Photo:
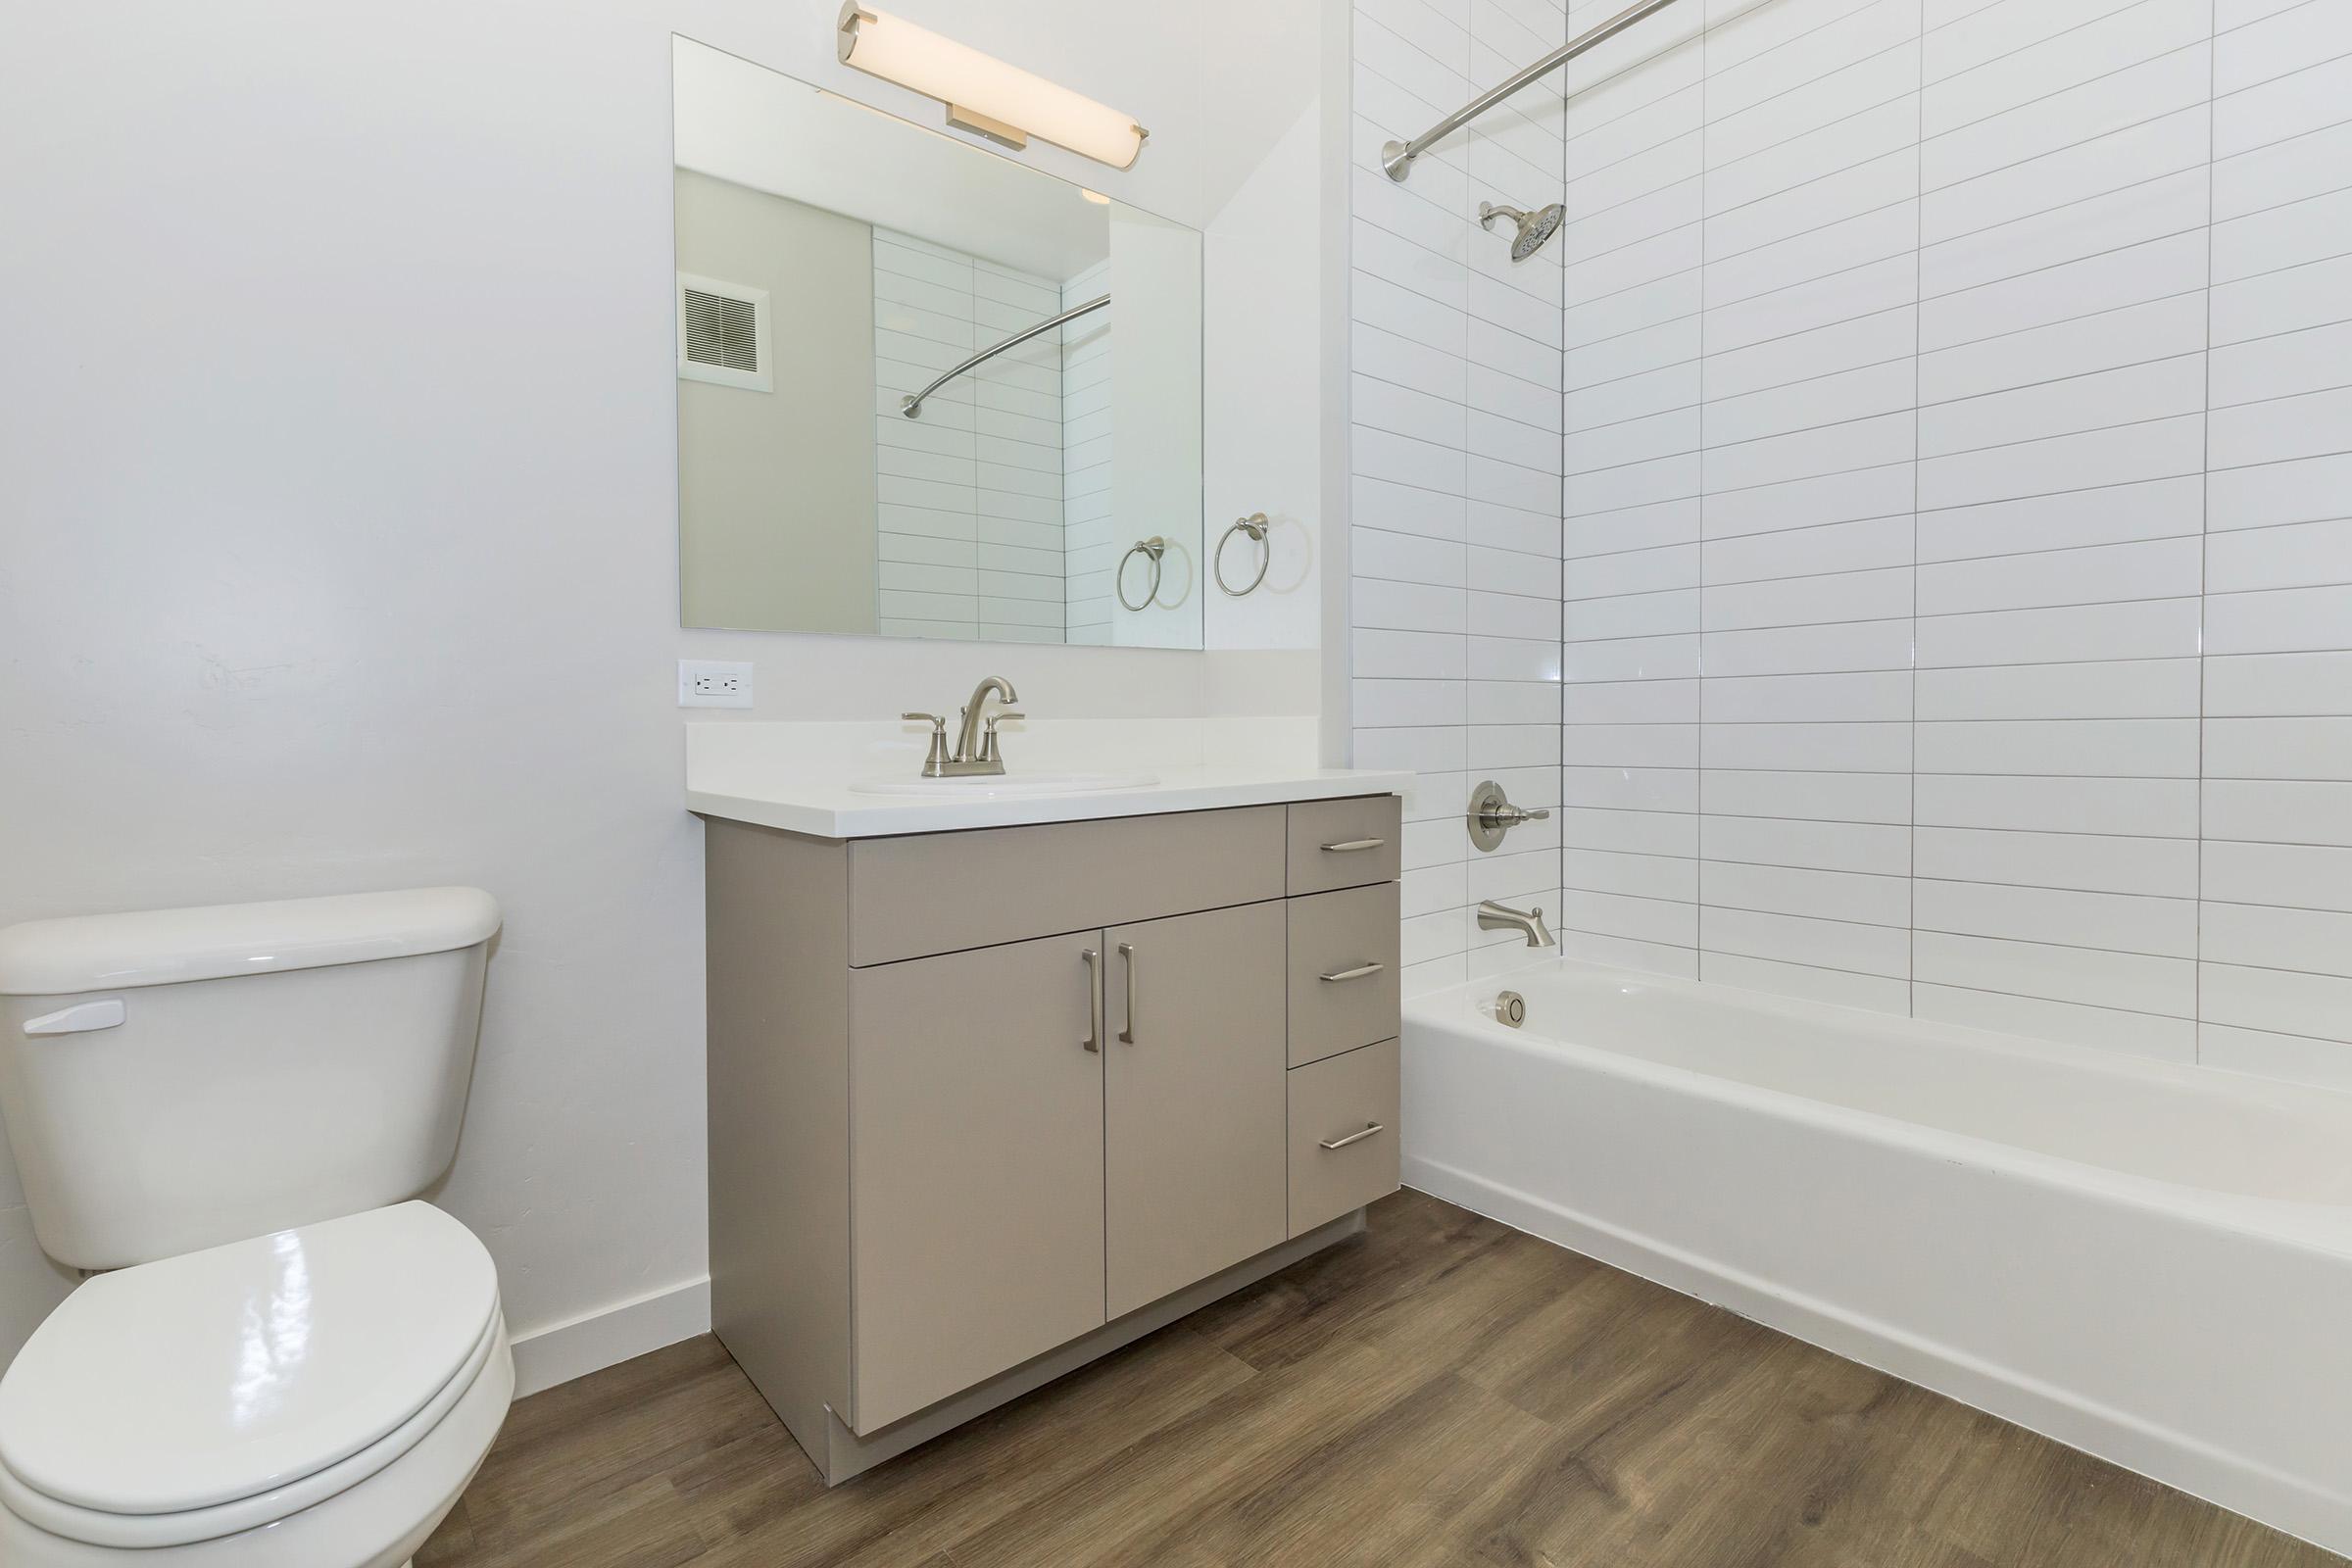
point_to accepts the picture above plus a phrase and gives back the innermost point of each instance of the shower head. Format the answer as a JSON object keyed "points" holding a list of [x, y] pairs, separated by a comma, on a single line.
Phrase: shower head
{"points": [[1533, 227]]}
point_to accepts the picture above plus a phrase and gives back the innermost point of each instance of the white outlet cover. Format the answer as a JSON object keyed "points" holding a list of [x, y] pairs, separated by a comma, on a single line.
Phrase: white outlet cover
{"points": [[713, 683]]}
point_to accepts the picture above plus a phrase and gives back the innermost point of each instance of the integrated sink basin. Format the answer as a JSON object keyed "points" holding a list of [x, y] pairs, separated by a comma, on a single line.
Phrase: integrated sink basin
{"points": [[980, 786]]}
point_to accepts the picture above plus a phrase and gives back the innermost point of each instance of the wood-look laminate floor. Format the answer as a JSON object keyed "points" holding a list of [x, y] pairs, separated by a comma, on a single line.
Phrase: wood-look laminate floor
{"points": [[1440, 1391]]}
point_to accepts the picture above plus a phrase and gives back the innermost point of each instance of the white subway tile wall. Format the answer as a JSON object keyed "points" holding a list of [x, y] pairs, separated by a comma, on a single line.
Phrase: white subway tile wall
{"points": [[971, 493], [1955, 431], [1456, 490], [2274, 949]]}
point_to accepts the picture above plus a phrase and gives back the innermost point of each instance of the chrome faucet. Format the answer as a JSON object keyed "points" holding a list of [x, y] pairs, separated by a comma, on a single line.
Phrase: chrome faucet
{"points": [[1493, 916], [975, 753]]}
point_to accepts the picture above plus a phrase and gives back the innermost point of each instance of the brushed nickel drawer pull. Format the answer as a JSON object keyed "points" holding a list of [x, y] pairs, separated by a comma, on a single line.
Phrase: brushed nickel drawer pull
{"points": [[1370, 1128], [1127, 1034], [1349, 846], [1094, 1000], [1357, 973]]}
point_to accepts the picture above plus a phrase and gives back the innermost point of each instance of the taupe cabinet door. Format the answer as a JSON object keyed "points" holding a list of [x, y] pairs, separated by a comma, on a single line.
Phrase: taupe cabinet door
{"points": [[1193, 1099], [976, 1161]]}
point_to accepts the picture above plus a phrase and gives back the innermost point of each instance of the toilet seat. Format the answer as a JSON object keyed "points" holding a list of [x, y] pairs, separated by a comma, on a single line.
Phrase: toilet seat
{"points": [[382, 1522], [195, 1398]]}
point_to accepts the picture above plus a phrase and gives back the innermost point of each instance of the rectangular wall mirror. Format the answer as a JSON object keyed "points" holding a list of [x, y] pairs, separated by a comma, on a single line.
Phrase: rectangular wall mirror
{"points": [[923, 390]]}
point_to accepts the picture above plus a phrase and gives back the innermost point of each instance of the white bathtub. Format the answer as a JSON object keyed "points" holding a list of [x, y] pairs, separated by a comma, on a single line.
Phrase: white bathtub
{"points": [[2150, 1262]]}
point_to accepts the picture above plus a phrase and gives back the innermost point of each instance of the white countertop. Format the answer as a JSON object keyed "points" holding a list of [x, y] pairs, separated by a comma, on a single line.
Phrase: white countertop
{"points": [[799, 776]]}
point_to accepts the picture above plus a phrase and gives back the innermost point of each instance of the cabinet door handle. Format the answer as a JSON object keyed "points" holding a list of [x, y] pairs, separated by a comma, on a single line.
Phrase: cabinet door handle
{"points": [[1351, 846], [1357, 973], [1370, 1128], [1093, 999], [1127, 1034]]}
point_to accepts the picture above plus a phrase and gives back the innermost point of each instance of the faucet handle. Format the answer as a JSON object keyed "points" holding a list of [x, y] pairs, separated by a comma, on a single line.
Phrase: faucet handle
{"points": [[988, 739], [936, 762]]}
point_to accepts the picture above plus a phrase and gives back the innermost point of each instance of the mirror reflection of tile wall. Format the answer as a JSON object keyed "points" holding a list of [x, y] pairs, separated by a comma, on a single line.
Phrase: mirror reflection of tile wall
{"points": [[972, 496], [817, 295]]}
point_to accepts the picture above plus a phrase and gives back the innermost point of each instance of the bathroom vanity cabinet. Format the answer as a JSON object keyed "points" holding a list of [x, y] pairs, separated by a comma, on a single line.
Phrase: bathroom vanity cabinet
{"points": [[985, 1105]]}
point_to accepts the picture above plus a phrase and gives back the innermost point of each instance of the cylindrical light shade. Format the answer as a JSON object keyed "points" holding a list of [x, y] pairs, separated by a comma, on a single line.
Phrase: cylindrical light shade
{"points": [[941, 68]]}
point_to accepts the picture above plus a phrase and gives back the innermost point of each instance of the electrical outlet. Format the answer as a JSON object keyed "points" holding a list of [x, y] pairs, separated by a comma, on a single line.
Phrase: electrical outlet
{"points": [[713, 683]]}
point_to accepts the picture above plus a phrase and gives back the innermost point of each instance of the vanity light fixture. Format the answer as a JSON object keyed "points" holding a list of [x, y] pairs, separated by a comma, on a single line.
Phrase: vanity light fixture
{"points": [[983, 94]]}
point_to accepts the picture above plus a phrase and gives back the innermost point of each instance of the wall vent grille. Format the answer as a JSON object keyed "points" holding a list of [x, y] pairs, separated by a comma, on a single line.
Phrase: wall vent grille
{"points": [[722, 333]]}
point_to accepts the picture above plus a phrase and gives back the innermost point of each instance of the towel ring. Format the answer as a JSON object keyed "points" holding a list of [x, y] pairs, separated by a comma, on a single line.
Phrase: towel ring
{"points": [[1150, 549], [1255, 525]]}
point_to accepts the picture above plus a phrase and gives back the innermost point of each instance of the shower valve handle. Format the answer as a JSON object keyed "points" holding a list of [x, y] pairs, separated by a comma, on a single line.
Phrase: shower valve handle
{"points": [[1492, 815]]}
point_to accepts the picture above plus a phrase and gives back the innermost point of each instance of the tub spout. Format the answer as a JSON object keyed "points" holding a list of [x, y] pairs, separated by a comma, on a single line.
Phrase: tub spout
{"points": [[1493, 916]]}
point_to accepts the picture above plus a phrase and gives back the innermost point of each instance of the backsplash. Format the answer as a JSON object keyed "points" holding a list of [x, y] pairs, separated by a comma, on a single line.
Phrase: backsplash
{"points": [[1957, 600]]}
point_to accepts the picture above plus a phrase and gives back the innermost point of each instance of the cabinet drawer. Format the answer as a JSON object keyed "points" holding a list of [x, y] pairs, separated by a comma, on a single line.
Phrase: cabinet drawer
{"points": [[1341, 1100], [1342, 963], [1343, 843], [943, 892]]}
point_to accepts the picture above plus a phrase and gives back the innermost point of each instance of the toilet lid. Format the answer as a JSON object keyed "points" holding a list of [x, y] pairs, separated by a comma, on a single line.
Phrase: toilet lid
{"points": [[224, 1374]]}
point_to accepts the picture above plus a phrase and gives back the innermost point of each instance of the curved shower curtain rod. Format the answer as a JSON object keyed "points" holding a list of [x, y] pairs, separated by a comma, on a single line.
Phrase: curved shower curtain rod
{"points": [[1397, 156], [912, 406]]}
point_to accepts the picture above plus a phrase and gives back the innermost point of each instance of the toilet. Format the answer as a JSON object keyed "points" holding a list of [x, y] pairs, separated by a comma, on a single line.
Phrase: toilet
{"points": [[280, 1358]]}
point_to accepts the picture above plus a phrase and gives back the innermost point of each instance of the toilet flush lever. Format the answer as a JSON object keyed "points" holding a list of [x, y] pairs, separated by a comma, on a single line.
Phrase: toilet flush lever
{"points": [[79, 1020]]}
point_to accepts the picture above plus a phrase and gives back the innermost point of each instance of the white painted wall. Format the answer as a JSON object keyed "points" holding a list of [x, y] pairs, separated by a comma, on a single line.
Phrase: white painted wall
{"points": [[1265, 290], [337, 544], [1156, 402], [1271, 272]]}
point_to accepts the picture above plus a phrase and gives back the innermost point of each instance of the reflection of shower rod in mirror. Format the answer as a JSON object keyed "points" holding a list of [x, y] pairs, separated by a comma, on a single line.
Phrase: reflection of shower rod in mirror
{"points": [[912, 406], [1255, 526], [1151, 550]]}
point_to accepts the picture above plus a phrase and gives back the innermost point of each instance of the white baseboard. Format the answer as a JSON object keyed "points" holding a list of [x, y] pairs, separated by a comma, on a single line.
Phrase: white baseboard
{"points": [[610, 1335]]}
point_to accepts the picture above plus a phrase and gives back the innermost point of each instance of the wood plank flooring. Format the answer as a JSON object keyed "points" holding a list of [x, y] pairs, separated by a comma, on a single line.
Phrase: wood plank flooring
{"points": [[1440, 1390]]}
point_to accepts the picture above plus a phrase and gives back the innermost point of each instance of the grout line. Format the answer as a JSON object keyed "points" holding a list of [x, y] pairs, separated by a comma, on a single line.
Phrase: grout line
{"points": [[1467, 313], [2107, 133], [2205, 519], [2257, 86], [1791, 140], [1699, 803], [2064, 206], [2330, 194], [2038, 43], [2063, 1001], [1918, 289], [2040, 98], [1559, 852]]}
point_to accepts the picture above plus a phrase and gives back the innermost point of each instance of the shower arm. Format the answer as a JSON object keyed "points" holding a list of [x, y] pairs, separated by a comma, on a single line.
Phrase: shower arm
{"points": [[1397, 156], [912, 406]]}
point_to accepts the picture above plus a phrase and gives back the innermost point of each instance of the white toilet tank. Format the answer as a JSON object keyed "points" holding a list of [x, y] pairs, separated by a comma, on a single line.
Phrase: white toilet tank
{"points": [[178, 1078]]}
